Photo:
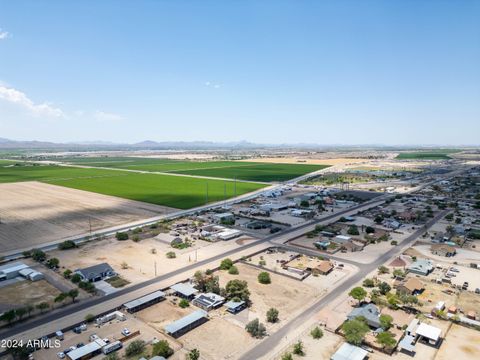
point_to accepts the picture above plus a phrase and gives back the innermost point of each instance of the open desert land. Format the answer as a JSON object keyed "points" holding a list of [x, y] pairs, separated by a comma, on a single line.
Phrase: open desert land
{"points": [[26, 292], [136, 261], [461, 343], [34, 213]]}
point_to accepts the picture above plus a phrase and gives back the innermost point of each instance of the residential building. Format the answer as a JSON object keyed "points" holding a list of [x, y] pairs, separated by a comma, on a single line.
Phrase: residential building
{"points": [[324, 268], [349, 352], [208, 301], [184, 290], [412, 286], [370, 312], [421, 267], [225, 217], [96, 272]]}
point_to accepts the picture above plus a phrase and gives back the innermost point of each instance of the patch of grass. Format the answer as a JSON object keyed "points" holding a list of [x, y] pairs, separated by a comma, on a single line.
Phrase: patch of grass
{"points": [[117, 281], [435, 154]]}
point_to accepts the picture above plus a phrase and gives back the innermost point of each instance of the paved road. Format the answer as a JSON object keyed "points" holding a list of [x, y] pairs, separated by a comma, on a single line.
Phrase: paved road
{"points": [[285, 236], [270, 342]]}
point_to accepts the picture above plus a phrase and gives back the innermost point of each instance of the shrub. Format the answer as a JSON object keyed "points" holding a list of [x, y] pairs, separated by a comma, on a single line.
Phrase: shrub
{"points": [[76, 278], [162, 348], [383, 270], [298, 349], [89, 318], [394, 242], [256, 329], [368, 283], [121, 236], [38, 255], [68, 244], [287, 356], [316, 333], [184, 303], [233, 270], [67, 274], [170, 255], [272, 315], [264, 278], [226, 264]]}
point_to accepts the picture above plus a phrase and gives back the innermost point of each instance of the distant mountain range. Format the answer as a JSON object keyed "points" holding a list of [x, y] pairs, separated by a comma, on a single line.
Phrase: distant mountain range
{"points": [[189, 145]]}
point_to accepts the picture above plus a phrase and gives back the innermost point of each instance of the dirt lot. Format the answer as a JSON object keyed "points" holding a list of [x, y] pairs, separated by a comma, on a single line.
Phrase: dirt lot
{"points": [[230, 342], [163, 313], [461, 344], [35, 213], [288, 296], [27, 292]]}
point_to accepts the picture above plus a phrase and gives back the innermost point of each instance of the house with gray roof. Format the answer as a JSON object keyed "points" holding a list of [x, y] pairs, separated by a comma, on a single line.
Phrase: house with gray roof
{"points": [[421, 267], [96, 272], [370, 312]]}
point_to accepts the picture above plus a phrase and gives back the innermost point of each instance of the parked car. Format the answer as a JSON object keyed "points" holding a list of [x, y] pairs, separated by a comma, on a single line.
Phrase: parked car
{"points": [[125, 332], [61, 355]]}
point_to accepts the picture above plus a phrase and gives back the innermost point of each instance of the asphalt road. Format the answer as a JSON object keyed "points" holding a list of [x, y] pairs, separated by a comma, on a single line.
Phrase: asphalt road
{"points": [[271, 341], [83, 305]]}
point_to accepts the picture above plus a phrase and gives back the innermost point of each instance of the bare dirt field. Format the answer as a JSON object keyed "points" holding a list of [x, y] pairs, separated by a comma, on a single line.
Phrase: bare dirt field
{"points": [[27, 292], [164, 313], [229, 343], [286, 295], [34, 213], [461, 343]]}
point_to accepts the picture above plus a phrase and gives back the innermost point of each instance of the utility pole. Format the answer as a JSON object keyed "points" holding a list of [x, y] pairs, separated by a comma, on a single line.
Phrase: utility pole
{"points": [[155, 268]]}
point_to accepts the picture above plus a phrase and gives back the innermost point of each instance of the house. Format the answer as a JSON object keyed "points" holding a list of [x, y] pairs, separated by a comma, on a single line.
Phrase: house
{"points": [[407, 345], [342, 239], [324, 268], [443, 250], [208, 301], [96, 272], [144, 301], [225, 217], [234, 307], [391, 224], [412, 286], [349, 352], [422, 331], [370, 312], [184, 290], [187, 323], [421, 267]]}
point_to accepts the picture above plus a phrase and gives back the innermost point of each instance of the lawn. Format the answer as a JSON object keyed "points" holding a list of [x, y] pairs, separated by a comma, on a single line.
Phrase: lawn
{"points": [[251, 171], [168, 190], [440, 154]]}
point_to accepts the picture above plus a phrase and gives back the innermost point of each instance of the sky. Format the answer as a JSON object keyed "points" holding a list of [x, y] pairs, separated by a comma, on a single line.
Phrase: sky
{"points": [[393, 72]]}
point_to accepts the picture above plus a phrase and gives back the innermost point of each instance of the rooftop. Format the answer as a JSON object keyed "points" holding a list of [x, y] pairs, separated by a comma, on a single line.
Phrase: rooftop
{"points": [[185, 321], [185, 289], [349, 352], [144, 299]]}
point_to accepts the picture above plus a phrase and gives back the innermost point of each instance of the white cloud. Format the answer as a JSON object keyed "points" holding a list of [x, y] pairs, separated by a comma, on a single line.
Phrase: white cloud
{"points": [[107, 117], [21, 99], [4, 34], [215, 86]]}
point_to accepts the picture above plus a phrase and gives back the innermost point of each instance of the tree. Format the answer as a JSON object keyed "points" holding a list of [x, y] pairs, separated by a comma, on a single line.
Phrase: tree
{"points": [[193, 355], [368, 283], [206, 282], [369, 230], [73, 294], [20, 313], [53, 263], [136, 347], [355, 331], [68, 244], [43, 306], [89, 318], [67, 274], [358, 293], [8, 316], [233, 270], [272, 315], [383, 270], [264, 278], [398, 273], [256, 329], [162, 348], [378, 219], [386, 321], [298, 349], [170, 255], [384, 288], [386, 339], [226, 264], [304, 204], [29, 309], [60, 297], [76, 278], [184, 303], [38, 255], [237, 290], [316, 333], [353, 230], [393, 301]]}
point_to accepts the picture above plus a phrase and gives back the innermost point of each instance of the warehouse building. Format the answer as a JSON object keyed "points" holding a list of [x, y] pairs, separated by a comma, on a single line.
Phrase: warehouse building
{"points": [[144, 301], [187, 323], [184, 290]]}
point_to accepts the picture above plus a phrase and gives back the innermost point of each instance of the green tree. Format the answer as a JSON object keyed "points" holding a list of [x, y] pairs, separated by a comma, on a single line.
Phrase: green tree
{"points": [[121, 236], [29, 309], [358, 293], [42, 307], [386, 321], [272, 315], [193, 355], [237, 290], [73, 294], [184, 303], [304, 204], [355, 331], [369, 230], [60, 297], [316, 333], [233, 270], [67, 274], [136, 347], [20, 313], [256, 329], [76, 278], [162, 348], [89, 318], [383, 270], [264, 278], [226, 264], [398, 273], [298, 349], [53, 263], [38, 255], [368, 283], [384, 288], [386, 339], [353, 230], [8, 316]]}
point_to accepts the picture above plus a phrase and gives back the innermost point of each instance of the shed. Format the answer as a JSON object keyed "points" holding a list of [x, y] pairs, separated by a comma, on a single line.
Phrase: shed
{"points": [[349, 352], [235, 307], [187, 323], [184, 290], [144, 301], [429, 332]]}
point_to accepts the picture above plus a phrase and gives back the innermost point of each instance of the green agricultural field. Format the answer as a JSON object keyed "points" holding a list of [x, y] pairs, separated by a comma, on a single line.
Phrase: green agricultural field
{"points": [[427, 155], [250, 171], [168, 190]]}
